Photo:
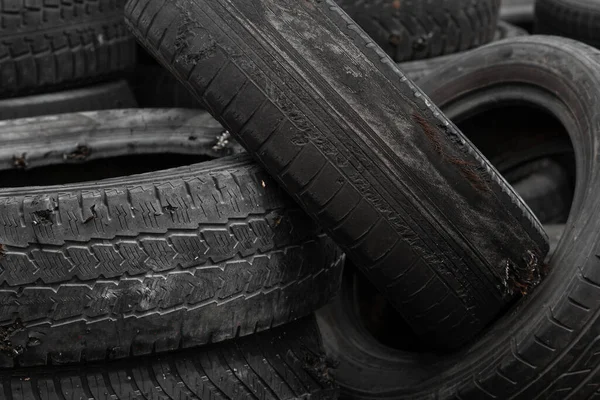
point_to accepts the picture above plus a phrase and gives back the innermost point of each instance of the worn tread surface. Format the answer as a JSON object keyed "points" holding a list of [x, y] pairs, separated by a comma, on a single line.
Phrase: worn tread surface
{"points": [[51, 44], [547, 346], [85, 136], [394, 186], [103, 96], [418, 69], [419, 29], [575, 19], [150, 262], [284, 363]]}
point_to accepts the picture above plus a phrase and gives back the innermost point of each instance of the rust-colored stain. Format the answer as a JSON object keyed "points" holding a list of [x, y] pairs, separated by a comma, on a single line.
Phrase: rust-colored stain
{"points": [[396, 4], [522, 279], [466, 168], [20, 161], [2, 251]]}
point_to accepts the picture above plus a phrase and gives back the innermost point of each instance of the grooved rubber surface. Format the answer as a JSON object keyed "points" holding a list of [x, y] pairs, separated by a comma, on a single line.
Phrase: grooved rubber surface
{"points": [[575, 19], [418, 69], [283, 363], [548, 345], [419, 29], [103, 96], [152, 262], [360, 147], [49, 44]]}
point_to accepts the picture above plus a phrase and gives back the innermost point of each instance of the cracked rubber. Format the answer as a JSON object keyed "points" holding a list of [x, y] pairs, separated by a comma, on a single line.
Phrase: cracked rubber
{"points": [[360, 147], [546, 346], [52, 44], [419, 29], [283, 363], [418, 69], [575, 19], [153, 262], [102, 96]]}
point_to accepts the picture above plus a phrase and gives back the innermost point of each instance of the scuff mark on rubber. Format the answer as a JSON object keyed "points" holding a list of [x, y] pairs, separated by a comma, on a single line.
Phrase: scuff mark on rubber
{"points": [[80, 153], [187, 31], [523, 279], [467, 169]]}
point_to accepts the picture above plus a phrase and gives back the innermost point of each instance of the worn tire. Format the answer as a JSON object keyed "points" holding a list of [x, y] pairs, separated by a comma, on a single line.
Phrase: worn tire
{"points": [[576, 19], [313, 118], [102, 96], [545, 346], [418, 69], [283, 363], [418, 29], [50, 45], [153, 262]]}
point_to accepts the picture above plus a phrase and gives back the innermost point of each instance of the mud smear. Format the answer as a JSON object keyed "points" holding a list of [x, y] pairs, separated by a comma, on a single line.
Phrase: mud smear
{"points": [[43, 217], [320, 367]]}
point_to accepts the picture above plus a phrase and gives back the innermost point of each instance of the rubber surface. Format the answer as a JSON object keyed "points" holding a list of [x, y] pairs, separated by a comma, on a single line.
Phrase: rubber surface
{"points": [[418, 69], [52, 44], [283, 363], [517, 11], [419, 29], [102, 96], [154, 262], [300, 86], [543, 348], [576, 19]]}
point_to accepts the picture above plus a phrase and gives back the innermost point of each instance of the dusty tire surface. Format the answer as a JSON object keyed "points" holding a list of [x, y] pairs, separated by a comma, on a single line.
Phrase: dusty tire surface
{"points": [[283, 363], [575, 19], [50, 45], [314, 125], [152, 262], [103, 96], [419, 69], [544, 346], [418, 29]]}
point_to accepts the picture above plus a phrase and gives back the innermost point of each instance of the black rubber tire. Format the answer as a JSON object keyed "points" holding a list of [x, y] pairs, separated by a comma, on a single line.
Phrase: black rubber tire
{"points": [[52, 44], [153, 262], [418, 29], [546, 188], [517, 11], [154, 86], [313, 118], [418, 69], [103, 96], [85, 136], [576, 19], [282, 363], [544, 347]]}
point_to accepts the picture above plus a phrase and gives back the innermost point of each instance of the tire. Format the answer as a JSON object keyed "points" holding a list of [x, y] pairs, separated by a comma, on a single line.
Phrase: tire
{"points": [[576, 19], [154, 86], [47, 46], [97, 97], [414, 29], [546, 188], [326, 147], [517, 11], [74, 138], [543, 347], [416, 70], [282, 363], [154, 262]]}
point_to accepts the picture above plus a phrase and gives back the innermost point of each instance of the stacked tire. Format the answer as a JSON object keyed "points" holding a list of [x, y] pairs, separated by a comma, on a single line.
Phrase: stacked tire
{"points": [[177, 253]]}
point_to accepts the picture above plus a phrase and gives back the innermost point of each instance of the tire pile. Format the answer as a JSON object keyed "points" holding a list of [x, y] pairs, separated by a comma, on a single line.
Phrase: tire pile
{"points": [[283, 199]]}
